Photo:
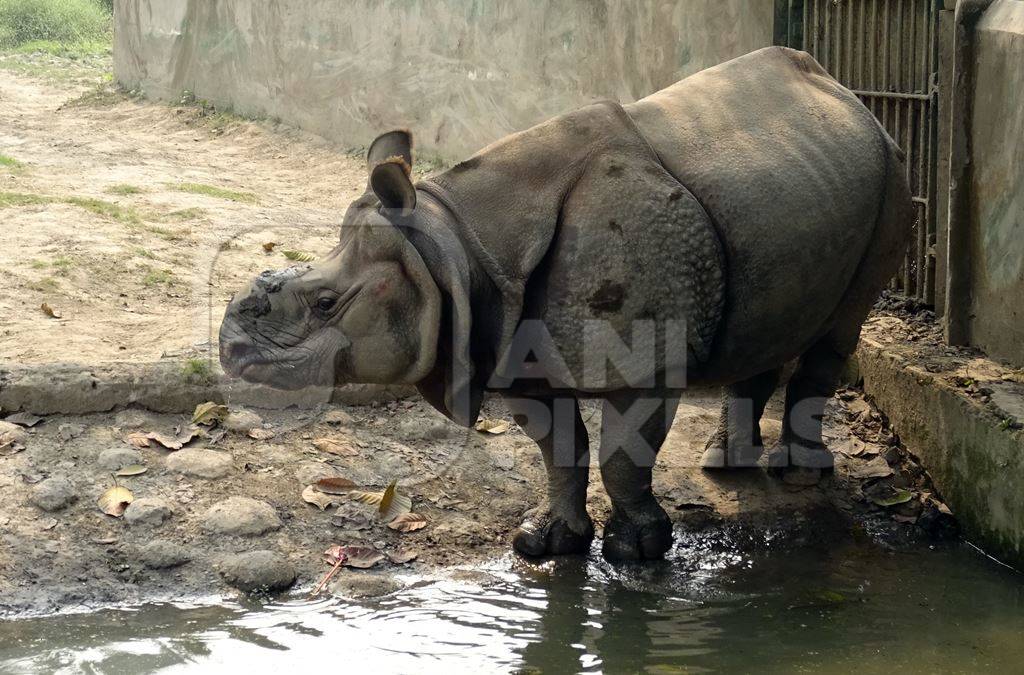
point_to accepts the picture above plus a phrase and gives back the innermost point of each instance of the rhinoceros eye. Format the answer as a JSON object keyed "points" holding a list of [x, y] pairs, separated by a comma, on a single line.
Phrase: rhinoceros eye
{"points": [[326, 303]]}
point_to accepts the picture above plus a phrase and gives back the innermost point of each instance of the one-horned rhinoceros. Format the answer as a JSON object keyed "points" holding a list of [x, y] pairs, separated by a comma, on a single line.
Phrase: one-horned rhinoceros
{"points": [[743, 218]]}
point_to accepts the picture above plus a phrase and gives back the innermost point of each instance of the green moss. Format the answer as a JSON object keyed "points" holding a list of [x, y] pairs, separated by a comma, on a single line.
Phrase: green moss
{"points": [[214, 191], [198, 370]]}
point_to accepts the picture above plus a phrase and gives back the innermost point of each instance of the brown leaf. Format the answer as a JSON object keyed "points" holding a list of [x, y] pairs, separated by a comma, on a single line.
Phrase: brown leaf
{"points": [[393, 503], [269, 246], [261, 434], [336, 485], [876, 467], [209, 413], [169, 442], [114, 501], [137, 439], [493, 426], [403, 556], [50, 311], [371, 498], [362, 557], [335, 447], [408, 522], [335, 555], [131, 470], [319, 499], [23, 419]]}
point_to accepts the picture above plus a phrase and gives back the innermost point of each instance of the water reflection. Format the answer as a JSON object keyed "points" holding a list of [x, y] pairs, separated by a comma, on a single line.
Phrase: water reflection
{"points": [[827, 609]]}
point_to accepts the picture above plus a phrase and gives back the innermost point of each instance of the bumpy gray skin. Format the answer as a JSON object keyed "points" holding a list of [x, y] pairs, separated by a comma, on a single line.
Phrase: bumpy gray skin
{"points": [[751, 213]]}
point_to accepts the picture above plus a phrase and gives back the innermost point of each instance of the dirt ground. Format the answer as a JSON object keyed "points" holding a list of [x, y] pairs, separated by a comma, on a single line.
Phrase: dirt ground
{"points": [[115, 215], [97, 221]]}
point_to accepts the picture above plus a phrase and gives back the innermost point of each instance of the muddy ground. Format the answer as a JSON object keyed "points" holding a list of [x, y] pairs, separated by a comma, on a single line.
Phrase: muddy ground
{"points": [[135, 221]]}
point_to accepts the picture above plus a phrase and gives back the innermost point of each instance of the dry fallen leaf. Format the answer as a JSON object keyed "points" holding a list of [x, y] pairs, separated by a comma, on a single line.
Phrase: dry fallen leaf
{"points": [[260, 434], [209, 413], [493, 426], [137, 439], [334, 486], [393, 503], [269, 246], [335, 447], [169, 442], [114, 501], [131, 470], [319, 499], [49, 311], [402, 556], [362, 557], [298, 256], [408, 522]]}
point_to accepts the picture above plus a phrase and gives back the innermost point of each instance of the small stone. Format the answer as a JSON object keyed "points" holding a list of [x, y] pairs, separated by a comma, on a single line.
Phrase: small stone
{"points": [[363, 585], [53, 494], [339, 417], [241, 517], [68, 432], [200, 463], [12, 433], [131, 419], [151, 511], [310, 472], [258, 571], [242, 421], [118, 458], [161, 555]]}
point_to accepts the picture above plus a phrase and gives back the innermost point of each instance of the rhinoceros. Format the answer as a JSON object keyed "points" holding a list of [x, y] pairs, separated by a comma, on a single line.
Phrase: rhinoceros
{"points": [[743, 218]]}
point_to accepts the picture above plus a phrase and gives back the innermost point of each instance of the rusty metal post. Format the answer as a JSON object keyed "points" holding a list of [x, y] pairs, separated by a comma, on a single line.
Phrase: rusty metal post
{"points": [[956, 318]]}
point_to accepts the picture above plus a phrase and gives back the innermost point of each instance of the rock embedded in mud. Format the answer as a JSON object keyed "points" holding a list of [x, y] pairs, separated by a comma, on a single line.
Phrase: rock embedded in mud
{"points": [[242, 421], [359, 584], [241, 517], [258, 571], [151, 511], [54, 494], [12, 433], [161, 555], [200, 463], [118, 458]]}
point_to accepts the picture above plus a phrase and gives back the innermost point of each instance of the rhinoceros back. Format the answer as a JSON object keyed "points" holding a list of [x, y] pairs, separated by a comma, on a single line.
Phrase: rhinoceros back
{"points": [[792, 169]]}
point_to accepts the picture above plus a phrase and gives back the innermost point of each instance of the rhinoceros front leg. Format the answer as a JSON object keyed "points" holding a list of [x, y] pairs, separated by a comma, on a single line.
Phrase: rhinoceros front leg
{"points": [[736, 443], [560, 524], [633, 427]]}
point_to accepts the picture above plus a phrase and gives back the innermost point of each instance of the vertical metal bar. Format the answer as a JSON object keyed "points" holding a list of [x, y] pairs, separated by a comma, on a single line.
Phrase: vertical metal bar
{"points": [[862, 39], [849, 43], [826, 57], [899, 39], [885, 45], [807, 25], [913, 47], [814, 26]]}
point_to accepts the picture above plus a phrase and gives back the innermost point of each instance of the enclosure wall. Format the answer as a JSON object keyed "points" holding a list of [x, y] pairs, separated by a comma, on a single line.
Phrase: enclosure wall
{"points": [[459, 73], [997, 190]]}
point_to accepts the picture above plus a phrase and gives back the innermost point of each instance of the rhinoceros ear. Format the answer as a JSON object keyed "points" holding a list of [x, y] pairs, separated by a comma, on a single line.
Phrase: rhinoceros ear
{"points": [[389, 161]]}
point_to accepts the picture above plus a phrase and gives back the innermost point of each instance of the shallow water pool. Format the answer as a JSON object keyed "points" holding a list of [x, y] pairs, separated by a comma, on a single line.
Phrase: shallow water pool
{"points": [[839, 607]]}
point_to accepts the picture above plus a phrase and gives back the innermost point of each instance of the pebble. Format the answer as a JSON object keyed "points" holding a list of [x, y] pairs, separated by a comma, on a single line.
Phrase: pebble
{"points": [[118, 458], [161, 555], [310, 472], [242, 517], [364, 585], [242, 421], [151, 511], [12, 433], [339, 417], [200, 463], [53, 494], [255, 571]]}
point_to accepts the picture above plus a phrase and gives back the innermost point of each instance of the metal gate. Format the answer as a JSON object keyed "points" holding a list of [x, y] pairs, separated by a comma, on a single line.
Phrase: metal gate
{"points": [[886, 52]]}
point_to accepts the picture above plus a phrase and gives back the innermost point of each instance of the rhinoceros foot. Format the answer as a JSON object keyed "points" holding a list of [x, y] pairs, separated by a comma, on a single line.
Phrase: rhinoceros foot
{"points": [[543, 534], [644, 534]]}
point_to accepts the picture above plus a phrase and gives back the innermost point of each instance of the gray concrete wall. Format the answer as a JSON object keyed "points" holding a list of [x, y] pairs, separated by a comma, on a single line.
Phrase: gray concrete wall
{"points": [[459, 73], [997, 192]]}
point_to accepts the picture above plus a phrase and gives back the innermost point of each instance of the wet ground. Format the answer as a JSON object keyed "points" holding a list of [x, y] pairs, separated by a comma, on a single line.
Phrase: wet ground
{"points": [[727, 601]]}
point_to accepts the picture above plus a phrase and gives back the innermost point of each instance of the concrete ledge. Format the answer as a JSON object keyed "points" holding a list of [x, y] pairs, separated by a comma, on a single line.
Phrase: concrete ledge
{"points": [[75, 389], [971, 446]]}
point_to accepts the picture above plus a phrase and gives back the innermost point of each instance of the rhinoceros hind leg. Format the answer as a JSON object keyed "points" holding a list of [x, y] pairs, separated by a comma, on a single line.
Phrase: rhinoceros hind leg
{"points": [[560, 525], [633, 427], [736, 443], [802, 456]]}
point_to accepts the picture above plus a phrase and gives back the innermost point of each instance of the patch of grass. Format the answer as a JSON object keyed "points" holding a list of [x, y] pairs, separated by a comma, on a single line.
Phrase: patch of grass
{"points": [[166, 232], [63, 265], [124, 190], [10, 162], [144, 253], [44, 285], [60, 22], [106, 209], [214, 191], [158, 278], [23, 199], [197, 370], [39, 264], [185, 214]]}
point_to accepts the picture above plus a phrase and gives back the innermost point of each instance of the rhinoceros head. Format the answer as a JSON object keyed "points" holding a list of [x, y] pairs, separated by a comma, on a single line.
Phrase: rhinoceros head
{"points": [[368, 312]]}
